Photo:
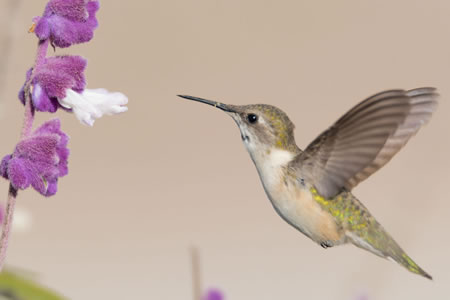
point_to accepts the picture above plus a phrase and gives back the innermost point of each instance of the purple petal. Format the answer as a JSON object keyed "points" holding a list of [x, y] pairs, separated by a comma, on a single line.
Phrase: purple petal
{"points": [[19, 174], [22, 90], [46, 170], [38, 183], [39, 159], [60, 73], [52, 126], [52, 188], [69, 22], [70, 65], [38, 148], [92, 8], [4, 166], [213, 294], [63, 154], [42, 29], [72, 9], [54, 82], [64, 32], [41, 101], [53, 78]]}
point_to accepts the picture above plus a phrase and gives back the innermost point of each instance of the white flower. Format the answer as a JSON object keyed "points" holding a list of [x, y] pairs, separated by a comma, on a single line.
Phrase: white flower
{"points": [[93, 104]]}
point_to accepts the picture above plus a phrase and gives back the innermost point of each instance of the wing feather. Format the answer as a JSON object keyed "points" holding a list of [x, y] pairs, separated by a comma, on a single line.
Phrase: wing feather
{"points": [[366, 138]]}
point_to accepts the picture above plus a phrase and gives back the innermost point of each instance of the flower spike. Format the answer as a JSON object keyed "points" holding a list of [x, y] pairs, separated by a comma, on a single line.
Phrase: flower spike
{"points": [[40, 158]]}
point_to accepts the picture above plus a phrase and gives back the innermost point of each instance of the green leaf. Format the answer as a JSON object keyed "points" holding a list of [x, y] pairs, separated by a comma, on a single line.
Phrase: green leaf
{"points": [[16, 287]]}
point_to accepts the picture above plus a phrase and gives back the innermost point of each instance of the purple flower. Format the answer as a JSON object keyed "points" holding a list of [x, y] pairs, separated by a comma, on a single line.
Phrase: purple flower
{"points": [[67, 22], [52, 78], [58, 82], [213, 294], [38, 160]]}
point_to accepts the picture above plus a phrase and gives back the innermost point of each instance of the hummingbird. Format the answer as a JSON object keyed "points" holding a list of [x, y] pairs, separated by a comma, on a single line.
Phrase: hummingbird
{"points": [[311, 189]]}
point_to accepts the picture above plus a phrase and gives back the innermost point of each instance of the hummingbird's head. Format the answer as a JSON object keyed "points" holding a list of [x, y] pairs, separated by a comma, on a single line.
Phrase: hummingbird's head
{"points": [[263, 127]]}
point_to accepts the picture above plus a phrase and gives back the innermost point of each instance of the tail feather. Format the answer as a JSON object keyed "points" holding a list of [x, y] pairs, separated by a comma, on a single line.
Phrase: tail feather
{"points": [[379, 242], [409, 264]]}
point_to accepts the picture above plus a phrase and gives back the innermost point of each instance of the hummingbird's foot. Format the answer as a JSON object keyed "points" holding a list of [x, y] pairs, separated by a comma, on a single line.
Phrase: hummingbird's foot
{"points": [[326, 244]]}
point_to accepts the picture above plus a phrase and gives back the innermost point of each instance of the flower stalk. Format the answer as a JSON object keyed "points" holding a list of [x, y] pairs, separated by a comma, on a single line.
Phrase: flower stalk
{"points": [[26, 130], [7, 222]]}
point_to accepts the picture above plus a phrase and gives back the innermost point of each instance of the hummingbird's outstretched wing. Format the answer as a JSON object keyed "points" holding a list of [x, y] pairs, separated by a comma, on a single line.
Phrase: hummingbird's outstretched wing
{"points": [[365, 138]]}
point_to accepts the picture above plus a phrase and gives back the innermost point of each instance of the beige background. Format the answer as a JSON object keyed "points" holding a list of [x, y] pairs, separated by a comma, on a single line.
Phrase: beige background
{"points": [[145, 186]]}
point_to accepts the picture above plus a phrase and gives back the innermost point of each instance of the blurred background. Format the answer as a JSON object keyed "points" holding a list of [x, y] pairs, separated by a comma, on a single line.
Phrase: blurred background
{"points": [[147, 185]]}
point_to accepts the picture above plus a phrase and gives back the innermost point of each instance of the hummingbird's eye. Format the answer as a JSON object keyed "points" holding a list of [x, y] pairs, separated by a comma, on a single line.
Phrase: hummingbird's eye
{"points": [[252, 118]]}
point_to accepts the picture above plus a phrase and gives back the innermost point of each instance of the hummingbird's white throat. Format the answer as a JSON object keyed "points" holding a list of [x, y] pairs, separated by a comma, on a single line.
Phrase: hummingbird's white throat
{"points": [[268, 160], [265, 157]]}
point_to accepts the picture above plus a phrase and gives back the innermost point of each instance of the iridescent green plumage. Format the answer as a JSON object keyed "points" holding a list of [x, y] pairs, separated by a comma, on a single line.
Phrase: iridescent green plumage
{"points": [[353, 216]]}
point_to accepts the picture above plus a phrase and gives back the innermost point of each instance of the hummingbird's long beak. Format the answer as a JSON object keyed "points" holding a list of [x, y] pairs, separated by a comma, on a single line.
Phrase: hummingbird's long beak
{"points": [[219, 105]]}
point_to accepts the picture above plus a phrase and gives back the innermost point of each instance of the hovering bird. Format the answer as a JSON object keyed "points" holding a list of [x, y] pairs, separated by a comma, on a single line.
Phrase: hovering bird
{"points": [[311, 189]]}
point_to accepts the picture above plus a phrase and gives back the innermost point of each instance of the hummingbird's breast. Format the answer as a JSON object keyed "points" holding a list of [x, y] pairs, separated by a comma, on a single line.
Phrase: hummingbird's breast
{"points": [[293, 201]]}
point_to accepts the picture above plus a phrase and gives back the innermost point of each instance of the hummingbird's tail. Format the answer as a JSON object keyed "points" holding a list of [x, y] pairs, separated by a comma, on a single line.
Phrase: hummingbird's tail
{"points": [[376, 240]]}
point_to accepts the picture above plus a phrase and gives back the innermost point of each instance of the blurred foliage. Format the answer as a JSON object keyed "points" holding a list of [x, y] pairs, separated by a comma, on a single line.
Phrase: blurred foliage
{"points": [[15, 287]]}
